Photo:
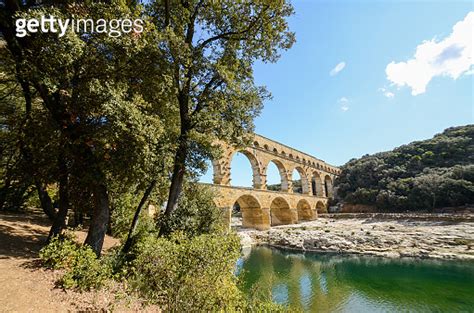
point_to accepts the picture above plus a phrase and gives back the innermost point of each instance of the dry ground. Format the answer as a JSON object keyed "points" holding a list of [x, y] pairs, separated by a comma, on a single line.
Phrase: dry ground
{"points": [[389, 235], [26, 287]]}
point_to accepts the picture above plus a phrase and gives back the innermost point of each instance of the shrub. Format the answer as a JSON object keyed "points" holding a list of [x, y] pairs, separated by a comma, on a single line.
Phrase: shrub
{"points": [[122, 215], [196, 212], [60, 251], [83, 270], [185, 273]]}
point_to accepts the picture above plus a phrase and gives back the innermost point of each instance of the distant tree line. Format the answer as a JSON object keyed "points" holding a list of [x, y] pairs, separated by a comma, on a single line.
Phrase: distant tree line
{"points": [[422, 175]]}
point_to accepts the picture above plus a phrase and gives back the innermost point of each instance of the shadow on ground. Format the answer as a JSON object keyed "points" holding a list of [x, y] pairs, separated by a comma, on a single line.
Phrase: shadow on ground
{"points": [[22, 235]]}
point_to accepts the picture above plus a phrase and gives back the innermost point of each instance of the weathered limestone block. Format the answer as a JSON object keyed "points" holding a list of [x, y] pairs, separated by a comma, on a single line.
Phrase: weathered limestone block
{"points": [[255, 218]]}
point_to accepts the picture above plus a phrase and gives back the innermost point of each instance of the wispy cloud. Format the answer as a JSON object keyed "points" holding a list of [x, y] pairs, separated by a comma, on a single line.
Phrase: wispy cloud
{"points": [[452, 57], [344, 103], [339, 67], [386, 93]]}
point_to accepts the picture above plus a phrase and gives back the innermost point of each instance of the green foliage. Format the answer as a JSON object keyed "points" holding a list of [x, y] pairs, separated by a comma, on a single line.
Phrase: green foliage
{"points": [[196, 213], [82, 269], [422, 175], [60, 252], [254, 305], [187, 274], [123, 210]]}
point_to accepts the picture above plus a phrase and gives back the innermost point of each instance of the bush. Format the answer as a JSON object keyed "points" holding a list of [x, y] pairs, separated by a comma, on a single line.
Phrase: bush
{"points": [[196, 212], [83, 270], [184, 273], [122, 215], [60, 252]]}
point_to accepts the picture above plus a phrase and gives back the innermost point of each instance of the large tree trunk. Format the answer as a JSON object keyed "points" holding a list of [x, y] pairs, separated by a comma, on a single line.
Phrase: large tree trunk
{"points": [[60, 221], [100, 219], [45, 200], [128, 243]]}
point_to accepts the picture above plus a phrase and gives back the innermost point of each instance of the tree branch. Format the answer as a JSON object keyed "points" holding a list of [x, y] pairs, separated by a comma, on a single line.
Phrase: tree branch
{"points": [[228, 35]]}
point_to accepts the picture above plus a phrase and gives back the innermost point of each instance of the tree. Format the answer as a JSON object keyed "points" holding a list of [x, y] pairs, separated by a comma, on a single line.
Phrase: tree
{"points": [[22, 125], [422, 175], [209, 48], [90, 86]]}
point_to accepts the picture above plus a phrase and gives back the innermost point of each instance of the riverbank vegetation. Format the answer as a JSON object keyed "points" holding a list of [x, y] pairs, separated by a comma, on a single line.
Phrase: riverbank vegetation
{"points": [[95, 128], [422, 175]]}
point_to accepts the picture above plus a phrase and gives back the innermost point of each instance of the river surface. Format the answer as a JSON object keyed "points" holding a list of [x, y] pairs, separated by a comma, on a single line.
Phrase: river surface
{"points": [[340, 283]]}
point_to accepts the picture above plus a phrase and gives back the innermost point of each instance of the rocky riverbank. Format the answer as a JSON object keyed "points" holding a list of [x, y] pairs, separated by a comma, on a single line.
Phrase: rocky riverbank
{"points": [[389, 235]]}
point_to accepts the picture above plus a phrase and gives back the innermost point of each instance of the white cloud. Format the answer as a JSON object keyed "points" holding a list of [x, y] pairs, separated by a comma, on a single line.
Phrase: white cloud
{"points": [[344, 103], [387, 93], [339, 67], [452, 57]]}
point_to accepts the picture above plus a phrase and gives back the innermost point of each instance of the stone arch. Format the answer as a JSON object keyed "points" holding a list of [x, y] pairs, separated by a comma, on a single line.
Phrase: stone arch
{"points": [[304, 210], [252, 213], [304, 179], [317, 185], [282, 171], [328, 186], [256, 179], [320, 207], [280, 212]]}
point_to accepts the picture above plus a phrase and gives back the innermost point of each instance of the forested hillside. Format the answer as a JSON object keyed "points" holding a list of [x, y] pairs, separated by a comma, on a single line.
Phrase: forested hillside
{"points": [[422, 175]]}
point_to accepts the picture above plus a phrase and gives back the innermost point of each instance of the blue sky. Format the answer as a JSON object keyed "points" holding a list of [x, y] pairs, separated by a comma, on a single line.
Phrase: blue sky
{"points": [[368, 105]]}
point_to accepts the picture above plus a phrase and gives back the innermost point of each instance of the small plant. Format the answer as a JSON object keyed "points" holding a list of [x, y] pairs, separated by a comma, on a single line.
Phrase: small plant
{"points": [[83, 270], [60, 252]]}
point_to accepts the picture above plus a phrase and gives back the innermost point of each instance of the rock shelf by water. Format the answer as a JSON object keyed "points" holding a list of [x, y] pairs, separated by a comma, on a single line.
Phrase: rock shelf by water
{"points": [[383, 235]]}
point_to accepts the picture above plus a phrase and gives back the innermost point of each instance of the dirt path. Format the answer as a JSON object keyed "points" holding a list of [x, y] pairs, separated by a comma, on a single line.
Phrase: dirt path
{"points": [[26, 287]]}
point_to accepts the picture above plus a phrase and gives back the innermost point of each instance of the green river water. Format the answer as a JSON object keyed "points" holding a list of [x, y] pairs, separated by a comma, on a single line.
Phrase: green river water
{"points": [[340, 283]]}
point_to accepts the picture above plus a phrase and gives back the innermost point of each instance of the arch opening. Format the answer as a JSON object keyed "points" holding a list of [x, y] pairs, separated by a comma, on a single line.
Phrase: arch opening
{"points": [[207, 173], [328, 188], [304, 211], [316, 185], [240, 173], [320, 207], [247, 212], [276, 176], [280, 212], [299, 181]]}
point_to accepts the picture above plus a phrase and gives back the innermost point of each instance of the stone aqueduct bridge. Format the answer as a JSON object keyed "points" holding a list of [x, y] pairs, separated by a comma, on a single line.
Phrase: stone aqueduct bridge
{"points": [[262, 208]]}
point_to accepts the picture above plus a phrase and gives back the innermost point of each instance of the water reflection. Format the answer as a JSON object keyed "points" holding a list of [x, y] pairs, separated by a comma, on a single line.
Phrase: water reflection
{"points": [[328, 283]]}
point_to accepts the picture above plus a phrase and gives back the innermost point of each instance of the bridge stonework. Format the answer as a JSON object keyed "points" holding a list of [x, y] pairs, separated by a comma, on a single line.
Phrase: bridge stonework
{"points": [[262, 208]]}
